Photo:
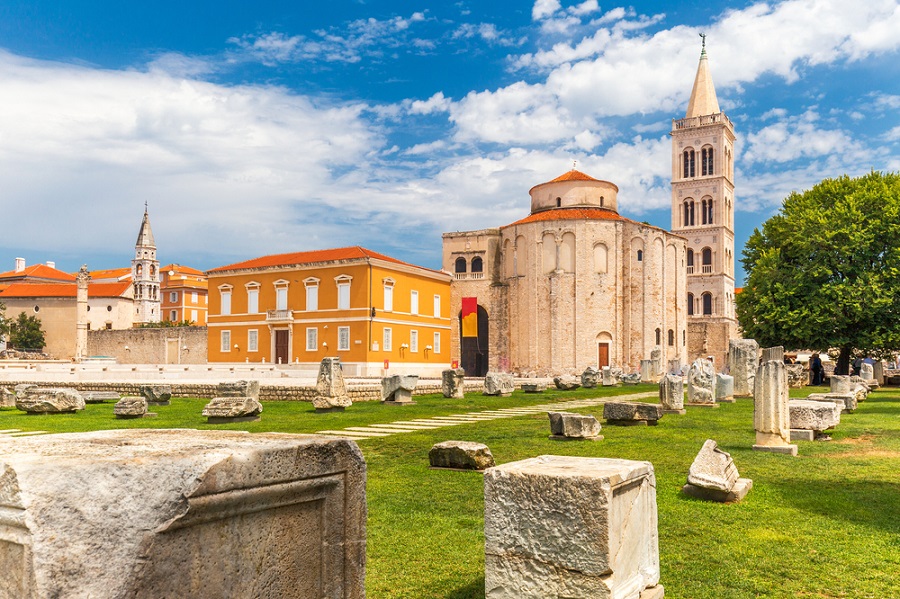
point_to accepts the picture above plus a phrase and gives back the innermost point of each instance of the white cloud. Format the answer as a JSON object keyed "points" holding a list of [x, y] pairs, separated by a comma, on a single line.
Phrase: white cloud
{"points": [[792, 138], [544, 8], [436, 103], [893, 134], [487, 32]]}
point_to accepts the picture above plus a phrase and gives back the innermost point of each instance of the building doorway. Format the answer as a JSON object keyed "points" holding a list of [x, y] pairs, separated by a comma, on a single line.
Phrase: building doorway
{"points": [[282, 346], [474, 350], [172, 353], [602, 355]]}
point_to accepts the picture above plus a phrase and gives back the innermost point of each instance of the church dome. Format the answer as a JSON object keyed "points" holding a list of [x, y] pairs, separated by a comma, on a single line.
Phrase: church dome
{"points": [[574, 189]]}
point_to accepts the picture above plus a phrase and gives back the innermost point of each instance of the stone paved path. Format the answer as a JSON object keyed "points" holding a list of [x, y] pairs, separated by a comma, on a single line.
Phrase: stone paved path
{"points": [[14, 432], [361, 433]]}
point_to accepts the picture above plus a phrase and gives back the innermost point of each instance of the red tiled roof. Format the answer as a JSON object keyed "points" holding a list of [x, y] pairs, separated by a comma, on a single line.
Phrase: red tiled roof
{"points": [[738, 290], [569, 214], [111, 273], [181, 269], [64, 290], [311, 257], [38, 271], [573, 175]]}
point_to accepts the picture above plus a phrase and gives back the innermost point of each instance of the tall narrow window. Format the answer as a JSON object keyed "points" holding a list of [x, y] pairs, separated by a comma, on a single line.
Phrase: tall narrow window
{"points": [[281, 298], [414, 341], [658, 336], [387, 339], [343, 289], [707, 304], [252, 340], [477, 264], [312, 339], [437, 343], [707, 259], [690, 304], [709, 215], [343, 338], [388, 295], [226, 301], [413, 302], [225, 341], [312, 294], [706, 159], [671, 337], [252, 300], [689, 168], [460, 265], [640, 255], [173, 315], [437, 306]]}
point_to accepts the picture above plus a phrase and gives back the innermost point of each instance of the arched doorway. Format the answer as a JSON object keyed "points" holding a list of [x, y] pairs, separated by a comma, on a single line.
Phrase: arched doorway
{"points": [[474, 350]]}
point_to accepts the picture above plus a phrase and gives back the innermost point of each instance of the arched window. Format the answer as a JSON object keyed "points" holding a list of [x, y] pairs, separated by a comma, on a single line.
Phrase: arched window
{"points": [[690, 304], [707, 257], [140, 269], [601, 258], [477, 264], [152, 270], [706, 161], [671, 337], [460, 265], [558, 202], [688, 212], [707, 304], [658, 336], [640, 255], [706, 207], [690, 261], [689, 169]]}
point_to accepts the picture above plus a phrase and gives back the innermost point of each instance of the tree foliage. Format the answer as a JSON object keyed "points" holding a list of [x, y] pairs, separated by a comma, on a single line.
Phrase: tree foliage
{"points": [[825, 271], [26, 332]]}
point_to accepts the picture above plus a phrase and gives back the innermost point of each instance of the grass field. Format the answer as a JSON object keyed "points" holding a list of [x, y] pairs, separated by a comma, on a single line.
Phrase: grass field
{"points": [[822, 525]]}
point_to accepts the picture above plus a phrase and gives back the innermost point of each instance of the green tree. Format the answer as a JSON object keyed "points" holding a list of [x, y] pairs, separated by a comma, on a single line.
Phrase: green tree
{"points": [[25, 332], [825, 271]]}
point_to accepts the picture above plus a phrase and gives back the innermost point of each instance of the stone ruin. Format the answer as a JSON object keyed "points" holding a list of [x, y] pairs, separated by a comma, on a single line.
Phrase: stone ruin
{"points": [[626, 413], [714, 477], [157, 395], [535, 387], [566, 426], [45, 400], [609, 379], [242, 388], [671, 394], [558, 526], [183, 513], [724, 388], [235, 401], [590, 378], [701, 384], [331, 390], [131, 407], [656, 359], [743, 360], [810, 419], [460, 455], [7, 398], [453, 383], [771, 416], [100, 396], [499, 384], [398, 389], [866, 372], [797, 375], [630, 379], [566, 382], [648, 371]]}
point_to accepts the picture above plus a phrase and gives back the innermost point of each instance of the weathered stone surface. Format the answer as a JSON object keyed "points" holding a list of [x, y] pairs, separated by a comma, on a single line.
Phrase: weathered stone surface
{"points": [[770, 354], [566, 382], [41, 400], [609, 379], [534, 387], [331, 391], [862, 386], [701, 384], [462, 455], [232, 408], [157, 394], [675, 366], [671, 393], [866, 372], [713, 468], [7, 398], [399, 388], [452, 383], [846, 401], [243, 388], [616, 372], [22, 389], [499, 383], [182, 513], [630, 379], [797, 375], [724, 387], [590, 378], [878, 373], [573, 426], [840, 383], [647, 372], [618, 412], [814, 415], [130, 407], [570, 527], [771, 416], [100, 396]]}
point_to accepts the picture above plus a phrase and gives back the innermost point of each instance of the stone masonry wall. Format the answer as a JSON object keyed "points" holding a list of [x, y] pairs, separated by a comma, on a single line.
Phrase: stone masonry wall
{"points": [[164, 345]]}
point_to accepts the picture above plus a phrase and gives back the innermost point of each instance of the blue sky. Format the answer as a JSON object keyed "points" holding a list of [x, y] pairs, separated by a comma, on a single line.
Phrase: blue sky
{"points": [[267, 127]]}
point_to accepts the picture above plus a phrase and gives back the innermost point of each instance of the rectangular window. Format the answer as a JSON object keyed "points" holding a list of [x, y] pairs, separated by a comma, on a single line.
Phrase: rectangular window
{"points": [[437, 306], [281, 298], [225, 341], [173, 315], [173, 297], [226, 303], [414, 341], [312, 298], [344, 296], [108, 326], [413, 302], [388, 298], [252, 340], [437, 343], [193, 316], [312, 339], [252, 301], [343, 338], [386, 339], [193, 297]]}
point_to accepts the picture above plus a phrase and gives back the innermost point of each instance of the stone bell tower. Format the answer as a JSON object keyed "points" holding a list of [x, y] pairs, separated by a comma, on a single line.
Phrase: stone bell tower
{"points": [[145, 275], [703, 213]]}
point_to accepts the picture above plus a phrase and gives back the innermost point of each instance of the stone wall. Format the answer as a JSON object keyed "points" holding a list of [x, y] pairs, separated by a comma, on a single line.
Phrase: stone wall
{"points": [[164, 345]]}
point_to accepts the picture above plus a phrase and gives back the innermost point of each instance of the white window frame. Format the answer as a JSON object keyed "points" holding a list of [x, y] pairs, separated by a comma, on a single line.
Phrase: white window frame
{"points": [[312, 338], [225, 300], [343, 339], [437, 343], [252, 298], [343, 289], [414, 341], [388, 295], [173, 297], [193, 297], [413, 302], [173, 315], [312, 294], [437, 306], [253, 340], [225, 341], [194, 316], [281, 294], [387, 339]]}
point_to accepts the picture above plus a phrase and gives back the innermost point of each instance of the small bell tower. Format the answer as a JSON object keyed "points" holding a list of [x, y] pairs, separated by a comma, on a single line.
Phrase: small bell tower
{"points": [[145, 275]]}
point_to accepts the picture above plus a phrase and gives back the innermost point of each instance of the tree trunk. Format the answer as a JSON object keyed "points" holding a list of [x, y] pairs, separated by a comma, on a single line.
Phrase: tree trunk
{"points": [[843, 363]]}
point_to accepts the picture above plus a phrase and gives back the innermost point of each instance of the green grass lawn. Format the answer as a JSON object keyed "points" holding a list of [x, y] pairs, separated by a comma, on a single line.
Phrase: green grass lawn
{"points": [[822, 525]]}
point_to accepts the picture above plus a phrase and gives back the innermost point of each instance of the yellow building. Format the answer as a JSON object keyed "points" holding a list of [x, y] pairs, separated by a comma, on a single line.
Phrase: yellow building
{"points": [[364, 307]]}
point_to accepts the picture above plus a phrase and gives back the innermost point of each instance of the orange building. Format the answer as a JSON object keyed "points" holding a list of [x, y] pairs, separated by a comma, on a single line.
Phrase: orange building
{"points": [[364, 307], [184, 294]]}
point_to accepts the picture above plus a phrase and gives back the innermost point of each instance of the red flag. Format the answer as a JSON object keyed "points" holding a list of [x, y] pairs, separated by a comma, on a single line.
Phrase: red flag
{"points": [[470, 317]]}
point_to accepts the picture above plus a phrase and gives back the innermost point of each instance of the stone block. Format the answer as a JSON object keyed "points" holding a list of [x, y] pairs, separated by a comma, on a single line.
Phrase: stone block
{"points": [[743, 360], [648, 372], [701, 383], [566, 382], [130, 407], [590, 378], [7, 398], [23, 388], [100, 396], [534, 387], [840, 383], [398, 388], [453, 383], [674, 366], [771, 416], [564, 425], [182, 513], [866, 372], [222, 410], [846, 401], [499, 384], [331, 391], [157, 395], [714, 477], [42, 400], [814, 415], [797, 375], [608, 378], [800, 434], [775, 354], [460, 455], [243, 388], [724, 388], [630, 379], [878, 373], [671, 394], [630, 413], [559, 526]]}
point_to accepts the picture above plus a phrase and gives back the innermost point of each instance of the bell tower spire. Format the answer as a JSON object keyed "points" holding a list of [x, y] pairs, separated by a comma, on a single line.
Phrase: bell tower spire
{"points": [[145, 275]]}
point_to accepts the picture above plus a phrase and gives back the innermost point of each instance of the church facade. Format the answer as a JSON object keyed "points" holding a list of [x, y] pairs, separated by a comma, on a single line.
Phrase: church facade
{"points": [[575, 284]]}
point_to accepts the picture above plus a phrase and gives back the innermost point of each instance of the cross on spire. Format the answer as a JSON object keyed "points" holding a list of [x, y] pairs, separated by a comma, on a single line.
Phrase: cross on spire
{"points": [[703, 48]]}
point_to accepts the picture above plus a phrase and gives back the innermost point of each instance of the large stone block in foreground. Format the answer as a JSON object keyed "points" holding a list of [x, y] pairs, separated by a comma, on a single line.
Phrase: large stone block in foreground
{"points": [[40, 400], [181, 513], [453, 383], [559, 526]]}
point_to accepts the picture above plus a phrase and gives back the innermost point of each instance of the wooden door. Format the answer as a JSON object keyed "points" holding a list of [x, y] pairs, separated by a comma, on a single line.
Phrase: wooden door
{"points": [[281, 346], [603, 355], [172, 353]]}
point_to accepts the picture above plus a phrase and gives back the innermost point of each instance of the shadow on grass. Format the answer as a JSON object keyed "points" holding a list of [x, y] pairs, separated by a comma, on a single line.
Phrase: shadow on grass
{"points": [[473, 590]]}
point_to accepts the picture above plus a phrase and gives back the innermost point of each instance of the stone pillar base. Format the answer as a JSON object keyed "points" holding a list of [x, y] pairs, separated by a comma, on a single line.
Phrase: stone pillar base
{"points": [[802, 434], [786, 449], [657, 592], [738, 492]]}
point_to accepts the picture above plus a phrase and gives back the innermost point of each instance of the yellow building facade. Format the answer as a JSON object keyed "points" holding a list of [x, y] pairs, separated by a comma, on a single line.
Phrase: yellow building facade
{"points": [[368, 309]]}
